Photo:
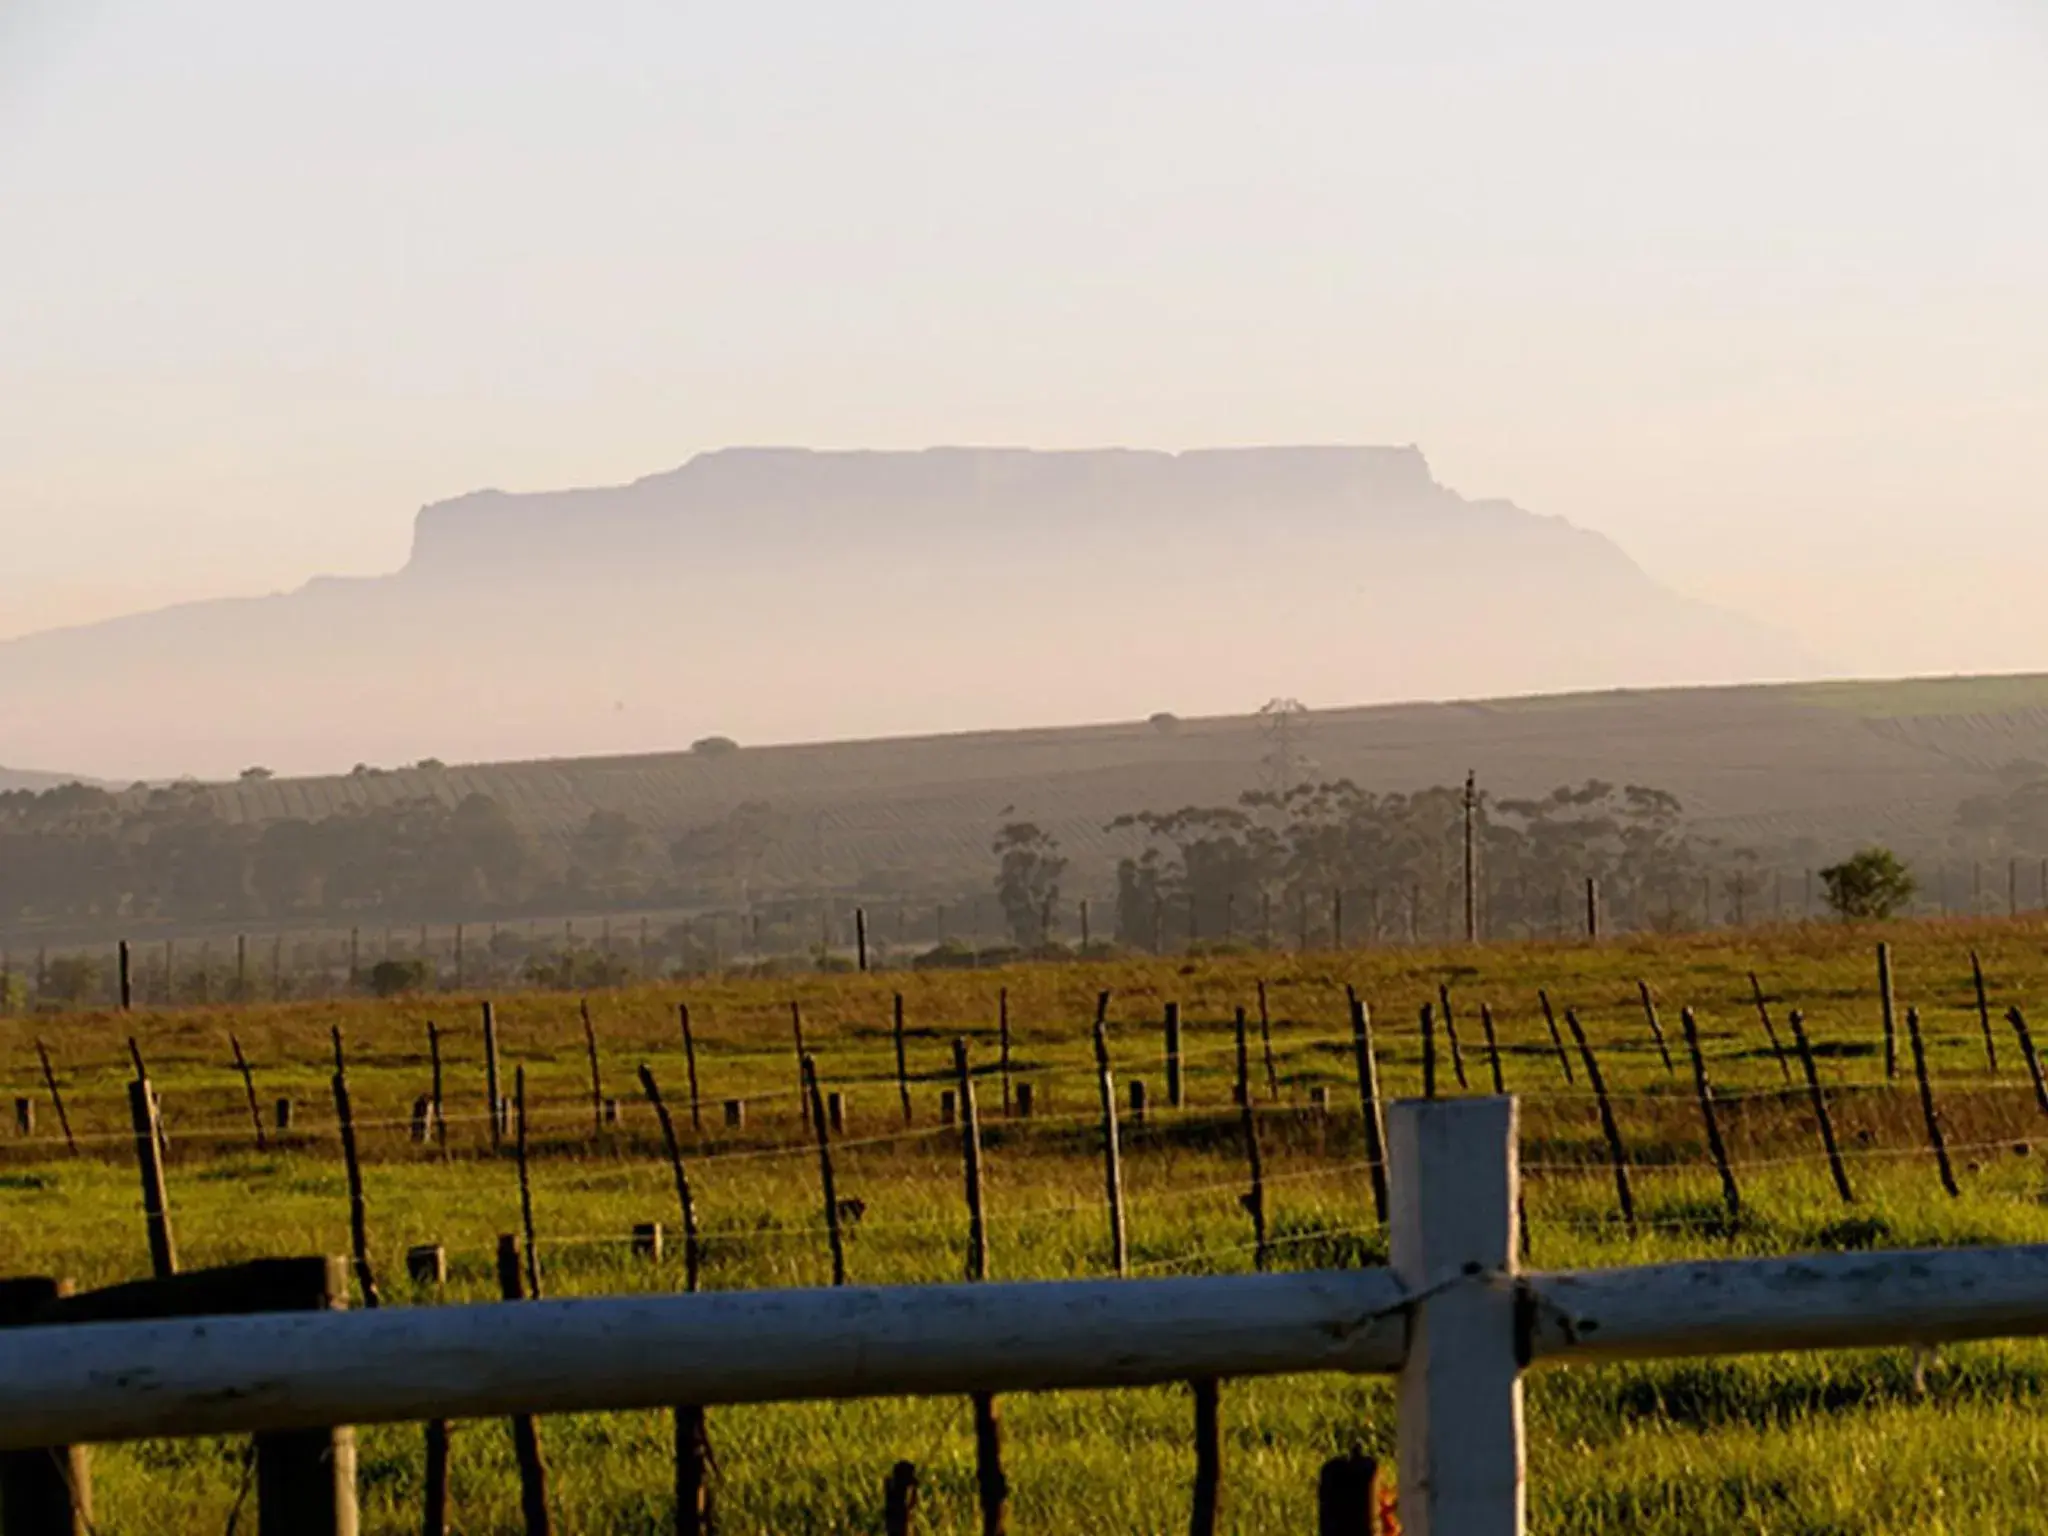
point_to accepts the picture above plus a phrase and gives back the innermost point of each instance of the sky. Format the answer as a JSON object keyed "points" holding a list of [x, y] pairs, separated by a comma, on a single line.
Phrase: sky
{"points": [[1755, 288]]}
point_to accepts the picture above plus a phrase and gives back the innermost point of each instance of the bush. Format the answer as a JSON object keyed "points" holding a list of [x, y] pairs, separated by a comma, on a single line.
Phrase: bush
{"points": [[1870, 887], [714, 746], [71, 979], [394, 978]]}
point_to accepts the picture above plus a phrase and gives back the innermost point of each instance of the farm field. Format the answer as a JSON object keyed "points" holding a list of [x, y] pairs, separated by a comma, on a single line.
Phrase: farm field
{"points": [[1865, 1442], [1836, 763]]}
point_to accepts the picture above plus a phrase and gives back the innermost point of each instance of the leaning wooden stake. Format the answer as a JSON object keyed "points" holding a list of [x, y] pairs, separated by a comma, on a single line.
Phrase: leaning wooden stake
{"points": [[815, 1110], [1492, 1048], [692, 1433], [1763, 1012], [1656, 1024], [1112, 1154], [902, 1061], [1928, 1111], [56, 1097], [1984, 1012], [1820, 1107], [690, 1065], [1443, 996], [796, 1028], [1208, 1459], [156, 1213], [358, 1211], [1248, 1117], [1367, 1062], [2018, 1020], [1564, 1058], [992, 1486], [249, 1089], [1616, 1152], [525, 1185], [1731, 1196], [596, 1077], [1889, 1005], [492, 1088], [1266, 1044], [692, 1252], [533, 1472]]}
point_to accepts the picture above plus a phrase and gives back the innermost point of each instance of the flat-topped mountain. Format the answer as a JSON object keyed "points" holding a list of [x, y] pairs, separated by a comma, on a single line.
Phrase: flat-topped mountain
{"points": [[776, 594]]}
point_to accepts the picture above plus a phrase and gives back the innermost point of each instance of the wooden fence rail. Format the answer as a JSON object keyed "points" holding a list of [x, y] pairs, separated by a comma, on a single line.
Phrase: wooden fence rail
{"points": [[1454, 1317]]}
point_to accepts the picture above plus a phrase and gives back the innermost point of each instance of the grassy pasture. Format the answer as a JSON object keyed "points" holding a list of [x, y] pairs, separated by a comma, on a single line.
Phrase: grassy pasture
{"points": [[1838, 1443]]}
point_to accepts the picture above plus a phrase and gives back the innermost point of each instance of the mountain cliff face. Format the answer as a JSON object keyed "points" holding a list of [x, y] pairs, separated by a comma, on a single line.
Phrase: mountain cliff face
{"points": [[773, 594]]}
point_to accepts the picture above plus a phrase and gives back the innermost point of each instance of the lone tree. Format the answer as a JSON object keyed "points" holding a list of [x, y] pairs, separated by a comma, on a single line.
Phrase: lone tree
{"points": [[1871, 886], [1028, 871]]}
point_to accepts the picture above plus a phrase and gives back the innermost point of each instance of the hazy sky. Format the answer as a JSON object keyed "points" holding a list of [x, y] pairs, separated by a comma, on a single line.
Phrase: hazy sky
{"points": [[1759, 287]]}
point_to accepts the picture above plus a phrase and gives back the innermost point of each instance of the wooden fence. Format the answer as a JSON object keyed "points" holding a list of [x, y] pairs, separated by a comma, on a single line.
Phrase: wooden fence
{"points": [[1454, 1317]]}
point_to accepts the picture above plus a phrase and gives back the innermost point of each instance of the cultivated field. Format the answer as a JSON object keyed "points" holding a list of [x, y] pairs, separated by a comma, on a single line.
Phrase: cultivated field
{"points": [[1850, 1443], [1837, 763]]}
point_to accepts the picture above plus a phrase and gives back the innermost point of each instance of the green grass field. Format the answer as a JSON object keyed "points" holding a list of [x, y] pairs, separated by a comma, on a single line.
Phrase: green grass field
{"points": [[1835, 1443]]}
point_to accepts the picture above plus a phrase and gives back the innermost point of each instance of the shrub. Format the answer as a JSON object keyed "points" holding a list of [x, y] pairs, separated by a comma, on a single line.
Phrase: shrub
{"points": [[1871, 886], [393, 978]]}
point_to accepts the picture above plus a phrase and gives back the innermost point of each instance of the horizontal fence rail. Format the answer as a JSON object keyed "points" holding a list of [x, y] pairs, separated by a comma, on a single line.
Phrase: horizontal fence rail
{"points": [[1454, 1318]]}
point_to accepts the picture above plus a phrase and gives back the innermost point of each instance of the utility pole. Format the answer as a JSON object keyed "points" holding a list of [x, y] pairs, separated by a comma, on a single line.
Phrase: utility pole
{"points": [[1471, 858]]}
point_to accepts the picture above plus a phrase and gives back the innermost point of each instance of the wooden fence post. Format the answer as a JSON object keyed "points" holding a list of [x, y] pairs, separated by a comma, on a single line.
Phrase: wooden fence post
{"points": [[533, 1471], [690, 1065], [992, 1486], [358, 1212], [1369, 1106], [1429, 1050], [692, 1255], [803, 1097], [434, 1494], [1731, 1196], [1656, 1024], [306, 1479], [47, 1491], [126, 965], [525, 1185], [1984, 1012], [491, 1085], [1820, 1107], [694, 1511], [1443, 996], [1112, 1154], [1208, 1459], [1927, 1110], [899, 1500], [1564, 1058], [1348, 1496], [1003, 1045], [1890, 1008], [440, 1108], [596, 1077], [1763, 1012], [1266, 1045], [815, 1110], [2018, 1020], [1459, 1395], [1492, 1048], [56, 1098], [1255, 1198], [1176, 1097], [860, 938], [902, 1061], [1616, 1153], [156, 1214]]}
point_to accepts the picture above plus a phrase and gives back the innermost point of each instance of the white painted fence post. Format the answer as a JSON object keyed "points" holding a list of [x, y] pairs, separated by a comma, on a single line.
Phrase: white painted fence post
{"points": [[1460, 1398]]}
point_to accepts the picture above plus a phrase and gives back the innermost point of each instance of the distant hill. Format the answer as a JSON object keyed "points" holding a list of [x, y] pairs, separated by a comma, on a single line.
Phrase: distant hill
{"points": [[17, 778], [1804, 772], [790, 595]]}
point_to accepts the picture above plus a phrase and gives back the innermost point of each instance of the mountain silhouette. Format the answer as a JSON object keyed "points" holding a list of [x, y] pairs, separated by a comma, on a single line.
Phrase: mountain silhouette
{"points": [[785, 594]]}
